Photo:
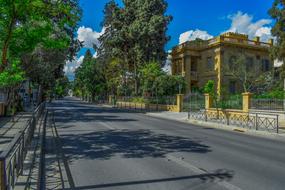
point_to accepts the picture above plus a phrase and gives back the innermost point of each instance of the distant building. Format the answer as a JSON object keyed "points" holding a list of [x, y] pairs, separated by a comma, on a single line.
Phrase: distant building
{"points": [[202, 60]]}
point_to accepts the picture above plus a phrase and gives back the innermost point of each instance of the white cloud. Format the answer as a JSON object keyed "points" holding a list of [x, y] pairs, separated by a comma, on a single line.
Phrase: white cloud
{"points": [[244, 23], [167, 65], [88, 36], [95, 55], [278, 63], [71, 66], [240, 23], [193, 35]]}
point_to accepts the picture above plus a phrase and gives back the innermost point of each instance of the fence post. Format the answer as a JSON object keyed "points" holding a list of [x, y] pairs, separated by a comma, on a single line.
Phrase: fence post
{"points": [[208, 101], [277, 120], [110, 99], [227, 114], [2, 174], [246, 98], [179, 102], [256, 121]]}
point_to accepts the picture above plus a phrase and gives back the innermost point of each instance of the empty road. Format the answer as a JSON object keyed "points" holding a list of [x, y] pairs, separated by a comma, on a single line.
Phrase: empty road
{"points": [[118, 150]]}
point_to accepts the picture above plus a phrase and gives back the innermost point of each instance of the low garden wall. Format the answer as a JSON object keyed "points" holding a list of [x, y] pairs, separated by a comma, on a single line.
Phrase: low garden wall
{"points": [[145, 106], [227, 113]]}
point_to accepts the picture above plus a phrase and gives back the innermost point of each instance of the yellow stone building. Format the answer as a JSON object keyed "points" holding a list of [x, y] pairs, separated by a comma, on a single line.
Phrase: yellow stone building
{"points": [[202, 60]]}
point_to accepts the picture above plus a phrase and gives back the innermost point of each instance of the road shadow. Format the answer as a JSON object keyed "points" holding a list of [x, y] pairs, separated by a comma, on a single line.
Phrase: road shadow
{"points": [[87, 115], [78, 105], [128, 144], [216, 176]]}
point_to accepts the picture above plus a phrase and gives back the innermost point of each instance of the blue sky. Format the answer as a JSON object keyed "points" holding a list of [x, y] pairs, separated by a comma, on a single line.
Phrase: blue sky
{"points": [[202, 19]]}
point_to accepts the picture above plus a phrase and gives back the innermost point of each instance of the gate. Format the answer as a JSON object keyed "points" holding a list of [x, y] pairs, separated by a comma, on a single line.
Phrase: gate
{"points": [[193, 102]]}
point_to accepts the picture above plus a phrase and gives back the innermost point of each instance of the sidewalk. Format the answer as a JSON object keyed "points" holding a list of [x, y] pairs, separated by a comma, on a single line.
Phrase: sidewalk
{"points": [[183, 117], [9, 128]]}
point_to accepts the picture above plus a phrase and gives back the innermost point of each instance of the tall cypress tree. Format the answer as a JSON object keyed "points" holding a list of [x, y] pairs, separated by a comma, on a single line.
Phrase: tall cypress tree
{"points": [[135, 34]]}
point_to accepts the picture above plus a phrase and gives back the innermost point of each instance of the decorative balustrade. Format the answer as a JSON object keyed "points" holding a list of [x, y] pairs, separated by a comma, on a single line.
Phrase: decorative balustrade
{"points": [[223, 38]]}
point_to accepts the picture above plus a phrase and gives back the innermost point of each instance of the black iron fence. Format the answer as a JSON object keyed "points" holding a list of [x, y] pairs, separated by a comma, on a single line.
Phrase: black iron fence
{"points": [[12, 159], [193, 101], [257, 121], [268, 104], [231, 102]]}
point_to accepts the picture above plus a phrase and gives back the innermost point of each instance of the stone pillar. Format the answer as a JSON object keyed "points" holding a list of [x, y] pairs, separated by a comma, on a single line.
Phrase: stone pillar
{"points": [[110, 99], [218, 68], [271, 42], [246, 97], [188, 73], [208, 101], [173, 66], [183, 66], [257, 40], [179, 102]]}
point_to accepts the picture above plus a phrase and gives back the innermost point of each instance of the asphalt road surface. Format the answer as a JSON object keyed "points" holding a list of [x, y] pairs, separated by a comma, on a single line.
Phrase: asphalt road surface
{"points": [[114, 149]]}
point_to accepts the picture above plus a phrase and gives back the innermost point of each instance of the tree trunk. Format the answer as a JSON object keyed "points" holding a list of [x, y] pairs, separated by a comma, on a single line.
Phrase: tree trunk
{"points": [[6, 42], [40, 95]]}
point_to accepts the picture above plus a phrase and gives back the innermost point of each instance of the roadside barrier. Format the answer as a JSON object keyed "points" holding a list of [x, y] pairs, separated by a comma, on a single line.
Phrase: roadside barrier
{"points": [[12, 159], [257, 121]]}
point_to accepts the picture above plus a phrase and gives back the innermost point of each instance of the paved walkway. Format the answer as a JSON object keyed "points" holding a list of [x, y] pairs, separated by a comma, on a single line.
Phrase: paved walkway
{"points": [[9, 128]]}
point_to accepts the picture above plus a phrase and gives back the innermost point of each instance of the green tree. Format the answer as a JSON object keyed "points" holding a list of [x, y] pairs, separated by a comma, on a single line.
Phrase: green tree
{"points": [[89, 79], [277, 12], [248, 73], [62, 87], [149, 74], [36, 35], [135, 34]]}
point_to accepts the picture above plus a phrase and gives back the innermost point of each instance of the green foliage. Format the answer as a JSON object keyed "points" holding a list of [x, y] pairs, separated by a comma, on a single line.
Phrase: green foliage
{"points": [[138, 100], [89, 78], [11, 76], [156, 82], [210, 87], [170, 85], [61, 87], [36, 39], [150, 74], [136, 35], [274, 94], [277, 12], [25, 24]]}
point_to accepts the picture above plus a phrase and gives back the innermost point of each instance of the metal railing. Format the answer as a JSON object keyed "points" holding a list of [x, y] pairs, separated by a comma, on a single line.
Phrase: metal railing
{"points": [[257, 121], [12, 159], [268, 104]]}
